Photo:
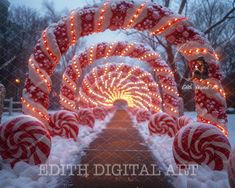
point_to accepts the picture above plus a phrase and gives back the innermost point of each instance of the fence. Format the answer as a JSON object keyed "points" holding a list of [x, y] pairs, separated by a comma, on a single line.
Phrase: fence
{"points": [[11, 106]]}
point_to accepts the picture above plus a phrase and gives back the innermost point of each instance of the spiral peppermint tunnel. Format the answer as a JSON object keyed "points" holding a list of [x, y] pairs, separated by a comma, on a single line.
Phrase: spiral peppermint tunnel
{"points": [[103, 85], [164, 75], [114, 15]]}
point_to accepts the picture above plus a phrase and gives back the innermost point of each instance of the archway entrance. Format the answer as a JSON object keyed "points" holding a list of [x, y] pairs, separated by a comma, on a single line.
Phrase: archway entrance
{"points": [[169, 92], [153, 94], [56, 40]]}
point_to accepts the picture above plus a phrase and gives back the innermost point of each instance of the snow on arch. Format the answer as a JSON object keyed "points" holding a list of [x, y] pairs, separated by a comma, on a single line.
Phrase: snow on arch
{"points": [[170, 96], [123, 14], [103, 85]]}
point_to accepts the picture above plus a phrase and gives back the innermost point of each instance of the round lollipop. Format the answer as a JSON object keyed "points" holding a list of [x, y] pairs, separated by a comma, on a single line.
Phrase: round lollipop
{"points": [[85, 117], [64, 123], [142, 116], [24, 138], [161, 123], [201, 143], [183, 121]]}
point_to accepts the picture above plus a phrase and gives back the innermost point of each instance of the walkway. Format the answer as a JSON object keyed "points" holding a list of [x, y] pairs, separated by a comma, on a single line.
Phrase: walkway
{"points": [[120, 144]]}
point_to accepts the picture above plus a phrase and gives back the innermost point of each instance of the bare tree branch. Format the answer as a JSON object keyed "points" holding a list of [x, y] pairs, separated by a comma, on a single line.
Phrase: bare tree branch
{"points": [[167, 3], [161, 43], [182, 5], [220, 21], [50, 10]]}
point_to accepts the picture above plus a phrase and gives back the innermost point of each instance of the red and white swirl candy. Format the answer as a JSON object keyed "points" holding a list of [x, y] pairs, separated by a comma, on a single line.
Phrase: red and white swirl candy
{"points": [[64, 123], [162, 123], [183, 121], [101, 50], [202, 144], [93, 87], [24, 138], [85, 117], [99, 113], [142, 116], [150, 17]]}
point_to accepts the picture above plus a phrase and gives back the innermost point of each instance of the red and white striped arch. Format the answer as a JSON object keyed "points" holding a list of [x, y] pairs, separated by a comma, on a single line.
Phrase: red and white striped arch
{"points": [[164, 75], [105, 84], [123, 14]]}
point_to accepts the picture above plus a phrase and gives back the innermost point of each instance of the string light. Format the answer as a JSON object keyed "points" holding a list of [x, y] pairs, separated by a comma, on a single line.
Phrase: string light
{"points": [[45, 42], [200, 51], [40, 74], [135, 93], [76, 67], [149, 56], [71, 84], [116, 90], [34, 110], [211, 84], [111, 46], [221, 127], [101, 16], [69, 103], [128, 49], [72, 28], [135, 16], [167, 26], [91, 55]]}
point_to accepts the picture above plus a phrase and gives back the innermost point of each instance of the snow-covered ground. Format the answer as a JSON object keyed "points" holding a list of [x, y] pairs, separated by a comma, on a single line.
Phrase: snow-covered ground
{"points": [[161, 147], [63, 151], [26, 176]]}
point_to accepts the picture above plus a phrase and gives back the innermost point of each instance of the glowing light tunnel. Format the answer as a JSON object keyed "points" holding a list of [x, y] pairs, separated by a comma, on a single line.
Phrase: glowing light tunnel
{"points": [[125, 14], [163, 73], [106, 84]]}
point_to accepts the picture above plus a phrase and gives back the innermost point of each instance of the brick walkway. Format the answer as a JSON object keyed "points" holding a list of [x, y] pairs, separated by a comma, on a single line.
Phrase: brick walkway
{"points": [[120, 143]]}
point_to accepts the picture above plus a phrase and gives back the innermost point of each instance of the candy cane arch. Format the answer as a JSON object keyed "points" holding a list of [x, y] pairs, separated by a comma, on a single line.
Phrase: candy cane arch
{"points": [[114, 15], [106, 84], [104, 50]]}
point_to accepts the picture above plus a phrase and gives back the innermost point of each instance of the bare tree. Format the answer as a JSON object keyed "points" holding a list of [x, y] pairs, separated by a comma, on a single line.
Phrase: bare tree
{"points": [[216, 19], [23, 28], [51, 14], [155, 41]]}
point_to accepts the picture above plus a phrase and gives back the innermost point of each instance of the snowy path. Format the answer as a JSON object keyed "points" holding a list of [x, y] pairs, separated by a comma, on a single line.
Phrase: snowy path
{"points": [[26, 176], [63, 151], [120, 144]]}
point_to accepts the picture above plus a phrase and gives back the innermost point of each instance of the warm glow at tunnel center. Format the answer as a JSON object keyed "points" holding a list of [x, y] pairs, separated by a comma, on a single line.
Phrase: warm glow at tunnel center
{"points": [[122, 95], [104, 85], [115, 93]]}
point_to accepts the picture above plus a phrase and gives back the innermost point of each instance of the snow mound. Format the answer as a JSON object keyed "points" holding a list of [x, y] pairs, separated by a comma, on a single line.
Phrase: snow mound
{"points": [[161, 147], [63, 151]]}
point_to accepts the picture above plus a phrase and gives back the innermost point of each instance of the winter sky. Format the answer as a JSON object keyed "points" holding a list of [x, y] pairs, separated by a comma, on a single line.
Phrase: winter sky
{"points": [[58, 4]]}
